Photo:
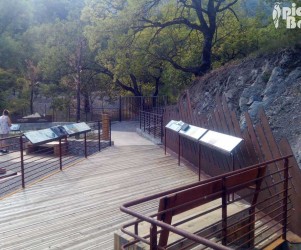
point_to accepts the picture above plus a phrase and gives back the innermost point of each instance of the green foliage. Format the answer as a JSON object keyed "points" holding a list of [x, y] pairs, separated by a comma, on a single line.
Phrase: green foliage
{"points": [[106, 40]]}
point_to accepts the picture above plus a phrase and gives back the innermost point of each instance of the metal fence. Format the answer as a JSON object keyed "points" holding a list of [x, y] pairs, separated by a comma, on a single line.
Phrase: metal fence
{"points": [[210, 219], [152, 124], [26, 163], [126, 108]]}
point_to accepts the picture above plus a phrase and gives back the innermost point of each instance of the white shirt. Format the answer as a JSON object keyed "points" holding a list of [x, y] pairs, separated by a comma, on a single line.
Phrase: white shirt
{"points": [[4, 125]]}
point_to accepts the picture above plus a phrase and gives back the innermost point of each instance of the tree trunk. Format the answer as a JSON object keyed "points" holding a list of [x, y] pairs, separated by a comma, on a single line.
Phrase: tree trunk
{"points": [[31, 98], [155, 95], [78, 77], [87, 103], [78, 100], [206, 54]]}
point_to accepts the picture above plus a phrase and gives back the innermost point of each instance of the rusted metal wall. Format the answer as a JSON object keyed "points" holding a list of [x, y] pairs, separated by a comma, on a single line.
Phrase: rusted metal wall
{"points": [[259, 145]]}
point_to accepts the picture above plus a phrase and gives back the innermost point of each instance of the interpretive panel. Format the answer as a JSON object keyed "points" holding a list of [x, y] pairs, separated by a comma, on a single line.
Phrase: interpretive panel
{"points": [[193, 132], [82, 127], [71, 129], [76, 128], [219, 141], [15, 127], [175, 125], [41, 136], [59, 131]]}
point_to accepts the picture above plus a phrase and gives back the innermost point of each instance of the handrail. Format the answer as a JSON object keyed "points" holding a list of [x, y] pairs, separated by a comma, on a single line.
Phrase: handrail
{"points": [[126, 207], [154, 196], [33, 162]]}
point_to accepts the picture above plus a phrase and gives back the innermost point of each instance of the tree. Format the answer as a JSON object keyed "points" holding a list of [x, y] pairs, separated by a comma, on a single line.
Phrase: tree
{"points": [[32, 77], [196, 15], [124, 58]]}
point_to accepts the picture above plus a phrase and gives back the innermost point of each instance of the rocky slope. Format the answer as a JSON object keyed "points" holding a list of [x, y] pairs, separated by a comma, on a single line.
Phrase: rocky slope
{"points": [[270, 81]]}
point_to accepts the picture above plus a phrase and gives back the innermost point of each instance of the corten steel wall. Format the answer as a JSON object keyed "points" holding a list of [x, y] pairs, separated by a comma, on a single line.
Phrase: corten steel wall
{"points": [[259, 145]]}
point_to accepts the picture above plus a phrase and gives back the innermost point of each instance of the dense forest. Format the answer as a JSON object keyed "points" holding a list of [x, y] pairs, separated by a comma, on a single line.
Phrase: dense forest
{"points": [[74, 52]]}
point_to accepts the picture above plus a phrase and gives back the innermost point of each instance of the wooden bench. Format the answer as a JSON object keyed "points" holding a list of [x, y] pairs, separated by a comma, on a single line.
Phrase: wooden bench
{"points": [[208, 192], [55, 145]]}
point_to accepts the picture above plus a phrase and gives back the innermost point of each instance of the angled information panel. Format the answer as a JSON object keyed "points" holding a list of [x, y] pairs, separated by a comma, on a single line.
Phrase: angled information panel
{"points": [[76, 128], [70, 129], [82, 127], [15, 127], [193, 132], [41, 136], [219, 141], [175, 125], [59, 131]]}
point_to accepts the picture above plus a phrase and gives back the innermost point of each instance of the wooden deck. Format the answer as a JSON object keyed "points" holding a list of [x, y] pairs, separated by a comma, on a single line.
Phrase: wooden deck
{"points": [[79, 207]]}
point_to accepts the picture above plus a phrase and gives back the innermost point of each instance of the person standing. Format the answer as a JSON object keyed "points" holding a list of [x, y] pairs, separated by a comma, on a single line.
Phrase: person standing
{"points": [[5, 124]]}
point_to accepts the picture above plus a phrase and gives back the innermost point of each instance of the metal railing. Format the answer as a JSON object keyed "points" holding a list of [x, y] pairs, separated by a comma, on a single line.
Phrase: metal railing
{"points": [[246, 221], [124, 108], [26, 163], [152, 124]]}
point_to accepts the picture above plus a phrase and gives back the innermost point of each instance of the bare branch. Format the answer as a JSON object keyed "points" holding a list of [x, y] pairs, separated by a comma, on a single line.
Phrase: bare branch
{"points": [[233, 12], [227, 6], [179, 21]]}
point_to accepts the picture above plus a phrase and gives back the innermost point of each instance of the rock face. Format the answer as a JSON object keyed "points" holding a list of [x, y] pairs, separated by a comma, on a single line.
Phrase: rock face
{"points": [[270, 81]]}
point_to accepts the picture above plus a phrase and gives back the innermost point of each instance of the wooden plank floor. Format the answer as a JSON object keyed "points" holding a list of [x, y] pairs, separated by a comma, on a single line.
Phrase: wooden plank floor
{"points": [[79, 207]]}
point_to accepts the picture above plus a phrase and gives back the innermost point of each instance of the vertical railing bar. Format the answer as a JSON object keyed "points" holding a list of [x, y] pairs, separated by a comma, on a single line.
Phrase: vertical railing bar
{"points": [[224, 212], [162, 131], [199, 160], [179, 149], [99, 144], [153, 237], [136, 228], [85, 145], [120, 112], [155, 124], [165, 142], [285, 197], [110, 132], [149, 127], [144, 120], [60, 152], [22, 161], [140, 117]]}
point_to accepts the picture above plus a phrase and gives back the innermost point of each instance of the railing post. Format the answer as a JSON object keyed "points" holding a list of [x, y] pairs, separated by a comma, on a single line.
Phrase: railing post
{"points": [[165, 142], [60, 152], [285, 197], [110, 123], [224, 212], [136, 228], [85, 143], [144, 118], [179, 149], [98, 127], [162, 129], [149, 122], [120, 112], [22, 162], [153, 237], [140, 116], [155, 124], [199, 159]]}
